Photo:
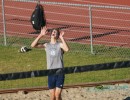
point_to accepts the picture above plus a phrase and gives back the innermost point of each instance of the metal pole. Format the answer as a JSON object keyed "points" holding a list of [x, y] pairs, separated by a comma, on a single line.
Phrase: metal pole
{"points": [[38, 2], [91, 36], [4, 23]]}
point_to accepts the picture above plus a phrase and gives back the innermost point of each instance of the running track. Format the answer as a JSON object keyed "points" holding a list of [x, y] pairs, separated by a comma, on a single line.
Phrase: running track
{"points": [[110, 26]]}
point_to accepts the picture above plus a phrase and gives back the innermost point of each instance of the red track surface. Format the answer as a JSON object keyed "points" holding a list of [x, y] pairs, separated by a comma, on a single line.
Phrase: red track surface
{"points": [[109, 27]]}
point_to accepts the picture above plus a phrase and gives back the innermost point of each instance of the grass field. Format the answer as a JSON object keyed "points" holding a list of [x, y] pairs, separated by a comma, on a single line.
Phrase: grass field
{"points": [[13, 61]]}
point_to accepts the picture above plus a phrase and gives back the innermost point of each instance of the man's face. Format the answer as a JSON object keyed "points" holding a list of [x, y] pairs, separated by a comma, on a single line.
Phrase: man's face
{"points": [[54, 34]]}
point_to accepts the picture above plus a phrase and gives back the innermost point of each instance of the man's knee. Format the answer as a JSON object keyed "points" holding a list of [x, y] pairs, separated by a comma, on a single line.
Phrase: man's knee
{"points": [[58, 96], [52, 96]]}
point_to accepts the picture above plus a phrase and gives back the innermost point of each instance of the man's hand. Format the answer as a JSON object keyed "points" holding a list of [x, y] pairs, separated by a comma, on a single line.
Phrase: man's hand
{"points": [[43, 31], [61, 34], [63, 45], [35, 42]]}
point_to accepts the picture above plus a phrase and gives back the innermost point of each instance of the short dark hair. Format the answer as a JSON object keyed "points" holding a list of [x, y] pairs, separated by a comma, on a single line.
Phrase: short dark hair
{"points": [[58, 32]]}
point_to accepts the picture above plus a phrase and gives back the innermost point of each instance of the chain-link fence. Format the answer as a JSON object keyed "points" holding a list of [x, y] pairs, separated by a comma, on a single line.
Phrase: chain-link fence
{"points": [[99, 33], [88, 28]]}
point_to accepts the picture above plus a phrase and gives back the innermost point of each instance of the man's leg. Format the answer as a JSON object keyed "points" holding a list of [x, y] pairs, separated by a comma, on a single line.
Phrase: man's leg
{"points": [[52, 86], [59, 86], [52, 94], [58, 93]]}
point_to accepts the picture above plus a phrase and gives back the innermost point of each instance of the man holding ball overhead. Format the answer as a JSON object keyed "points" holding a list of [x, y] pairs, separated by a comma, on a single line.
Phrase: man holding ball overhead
{"points": [[54, 53]]}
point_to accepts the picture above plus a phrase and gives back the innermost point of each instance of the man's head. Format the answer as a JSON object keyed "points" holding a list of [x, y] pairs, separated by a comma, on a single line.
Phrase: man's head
{"points": [[55, 33]]}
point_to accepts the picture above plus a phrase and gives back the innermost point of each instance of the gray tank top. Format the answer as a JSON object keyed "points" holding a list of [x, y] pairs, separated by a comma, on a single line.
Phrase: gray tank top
{"points": [[54, 56]]}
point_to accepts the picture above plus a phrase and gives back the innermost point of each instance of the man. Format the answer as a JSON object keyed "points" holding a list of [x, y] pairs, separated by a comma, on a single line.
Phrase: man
{"points": [[54, 52]]}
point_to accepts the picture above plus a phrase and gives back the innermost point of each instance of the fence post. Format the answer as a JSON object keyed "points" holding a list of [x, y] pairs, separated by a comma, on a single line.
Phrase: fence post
{"points": [[90, 22], [4, 23], [38, 2]]}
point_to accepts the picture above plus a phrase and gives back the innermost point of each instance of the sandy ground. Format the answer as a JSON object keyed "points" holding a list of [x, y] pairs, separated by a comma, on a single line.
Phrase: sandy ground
{"points": [[106, 92]]}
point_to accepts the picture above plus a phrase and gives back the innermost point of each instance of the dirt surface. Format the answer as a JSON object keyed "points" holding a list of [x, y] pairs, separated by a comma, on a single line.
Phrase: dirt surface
{"points": [[105, 92]]}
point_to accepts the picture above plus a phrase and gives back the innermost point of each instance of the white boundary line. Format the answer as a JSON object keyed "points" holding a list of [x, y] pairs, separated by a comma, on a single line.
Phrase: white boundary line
{"points": [[68, 22], [112, 11], [67, 38], [68, 14], [128, 28], [14, 32], [76, 5], [16, 16], [72, 30], [110, 42], [18, 24], [87, 1], [18, 8], [55, 12], [67, 7], [111, 19]]}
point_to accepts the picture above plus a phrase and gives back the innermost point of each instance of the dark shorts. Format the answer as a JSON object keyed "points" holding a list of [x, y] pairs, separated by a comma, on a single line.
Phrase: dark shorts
{"points": [[56, 81]]}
